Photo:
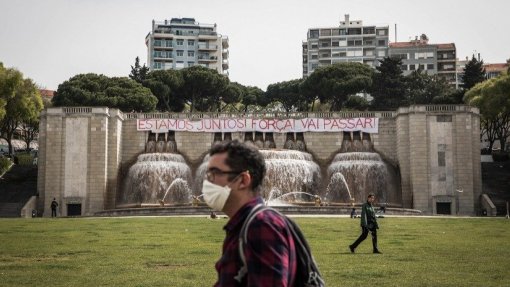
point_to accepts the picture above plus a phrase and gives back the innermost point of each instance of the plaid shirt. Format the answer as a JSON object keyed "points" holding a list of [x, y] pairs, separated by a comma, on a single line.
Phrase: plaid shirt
{"points": [[270, 252]]}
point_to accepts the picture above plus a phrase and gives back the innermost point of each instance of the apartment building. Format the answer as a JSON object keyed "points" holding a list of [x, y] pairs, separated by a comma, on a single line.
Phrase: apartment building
{"points": [[351, 41], [433, 59], [182, 42]]}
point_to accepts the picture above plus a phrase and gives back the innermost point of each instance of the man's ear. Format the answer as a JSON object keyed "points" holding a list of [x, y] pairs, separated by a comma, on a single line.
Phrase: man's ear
{"points": [[245, 180]]}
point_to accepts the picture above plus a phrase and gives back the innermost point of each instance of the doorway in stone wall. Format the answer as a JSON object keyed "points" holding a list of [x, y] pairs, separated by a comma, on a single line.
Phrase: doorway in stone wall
{"points": [[74, 209], [444, 208]]}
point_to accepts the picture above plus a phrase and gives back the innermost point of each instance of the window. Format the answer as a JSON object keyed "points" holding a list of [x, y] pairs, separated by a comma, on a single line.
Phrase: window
{"points": [[381, 53], [444, 119], [191, 64], [400, 56], [412, 67], [381, 43], [180, 53], [179, 64], [430, 55], [342, 32], [441, 158], [191, 53], [334, 44], [369, 52], [157, 65], [325, 44], [343, 43], [314, 33], [421, 67], [403, 67], [191, 42], [180, 42], [381, 32], [314, 57], [315, 46], [369, 43], [430, 66], [358, 53]]}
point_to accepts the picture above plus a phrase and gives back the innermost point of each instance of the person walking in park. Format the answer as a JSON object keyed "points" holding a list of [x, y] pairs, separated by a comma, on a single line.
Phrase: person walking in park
{"points": [[234, 174], [54, 205], [368, 224]]}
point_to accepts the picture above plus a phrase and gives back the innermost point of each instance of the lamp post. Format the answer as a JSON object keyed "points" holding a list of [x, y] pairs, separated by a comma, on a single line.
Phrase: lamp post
{"points": [[457, 198]]}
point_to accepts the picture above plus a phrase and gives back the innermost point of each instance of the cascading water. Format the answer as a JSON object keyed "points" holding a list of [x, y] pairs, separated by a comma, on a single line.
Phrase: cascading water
{"points": [[290, 171], [287, 171], [357, 171], [157, 177]]}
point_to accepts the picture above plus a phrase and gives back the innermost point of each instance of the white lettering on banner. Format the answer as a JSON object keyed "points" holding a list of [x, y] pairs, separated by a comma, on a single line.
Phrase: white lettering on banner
{"points": [[367, 125]]}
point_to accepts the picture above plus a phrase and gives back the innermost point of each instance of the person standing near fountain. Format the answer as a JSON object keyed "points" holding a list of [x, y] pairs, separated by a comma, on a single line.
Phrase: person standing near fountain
{"points": [[368, 223], [234, 174]]}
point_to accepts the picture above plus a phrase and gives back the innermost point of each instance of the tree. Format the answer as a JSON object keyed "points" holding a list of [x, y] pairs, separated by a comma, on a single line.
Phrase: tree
{"points": [[100, 90], [23, 107], [356, 103], [251, 97], [492, 97], [335, 83], [288, 94], [389, 87], [424, 89], [166, 86], [474, 73], [138, 73], [202, 88], [30, 130], [10, 81]]}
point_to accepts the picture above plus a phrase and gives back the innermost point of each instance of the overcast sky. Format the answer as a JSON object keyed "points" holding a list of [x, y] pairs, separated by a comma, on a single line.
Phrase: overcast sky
{"points": [[50, 41]]}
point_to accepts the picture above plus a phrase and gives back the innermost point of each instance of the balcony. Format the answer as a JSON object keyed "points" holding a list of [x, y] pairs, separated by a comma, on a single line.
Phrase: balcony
{"points": [[224, 42], [164, 46], [225, 65], [207, 47], [207, 58]]}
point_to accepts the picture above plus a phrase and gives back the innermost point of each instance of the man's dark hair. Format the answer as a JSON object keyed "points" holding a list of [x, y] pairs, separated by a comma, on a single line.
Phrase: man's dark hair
{"points": [[242, 157], [371, 195]]}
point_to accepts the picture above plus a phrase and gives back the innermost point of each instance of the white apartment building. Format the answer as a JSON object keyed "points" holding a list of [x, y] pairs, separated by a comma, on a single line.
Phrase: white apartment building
{"points": [[419, 54], [349, 42], [182, 42]]}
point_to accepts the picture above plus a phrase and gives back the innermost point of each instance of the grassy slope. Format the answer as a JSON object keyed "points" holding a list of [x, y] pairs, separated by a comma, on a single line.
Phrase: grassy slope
{"points": [[167, 251]]}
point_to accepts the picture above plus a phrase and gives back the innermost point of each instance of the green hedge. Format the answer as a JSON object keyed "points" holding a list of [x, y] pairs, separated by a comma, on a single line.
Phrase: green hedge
{"points": [[24, 159], [5, 163]]}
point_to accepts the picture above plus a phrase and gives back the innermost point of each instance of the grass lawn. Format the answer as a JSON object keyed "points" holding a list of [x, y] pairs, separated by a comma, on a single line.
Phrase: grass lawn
{"points": [[172, 251]]}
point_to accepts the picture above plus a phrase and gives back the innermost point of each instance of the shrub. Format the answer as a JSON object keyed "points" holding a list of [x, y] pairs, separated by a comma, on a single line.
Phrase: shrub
{"points": [[500, 156], [5, 163], [24, 159]]}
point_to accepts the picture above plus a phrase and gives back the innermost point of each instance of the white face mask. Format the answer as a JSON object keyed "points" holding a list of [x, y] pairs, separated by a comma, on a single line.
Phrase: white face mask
{"points": [[215, 195]]}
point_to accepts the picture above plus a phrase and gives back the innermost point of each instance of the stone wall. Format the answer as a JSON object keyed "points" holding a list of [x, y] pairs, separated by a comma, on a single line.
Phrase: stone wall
{"points": [[85, 153]]}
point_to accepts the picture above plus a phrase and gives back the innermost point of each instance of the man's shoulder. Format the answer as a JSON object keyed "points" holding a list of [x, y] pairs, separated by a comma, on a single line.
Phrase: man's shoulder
{"points": [[268, 220]]}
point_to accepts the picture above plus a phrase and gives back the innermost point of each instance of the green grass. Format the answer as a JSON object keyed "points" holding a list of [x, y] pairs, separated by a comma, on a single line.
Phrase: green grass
{"points": [[171, 251]]}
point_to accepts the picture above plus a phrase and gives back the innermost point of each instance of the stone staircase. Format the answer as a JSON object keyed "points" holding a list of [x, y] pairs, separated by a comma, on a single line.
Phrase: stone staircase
{"points": [[17, 185], [496, 184]]}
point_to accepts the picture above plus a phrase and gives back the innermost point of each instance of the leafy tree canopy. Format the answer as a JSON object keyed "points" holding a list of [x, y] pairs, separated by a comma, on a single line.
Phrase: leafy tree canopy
{"points": [[334, 83], [474, 73], [138, 73], [389, 87], [22, 100], [203, 87], [492, 97], [288, 94], [100, 90], [166, 86]]}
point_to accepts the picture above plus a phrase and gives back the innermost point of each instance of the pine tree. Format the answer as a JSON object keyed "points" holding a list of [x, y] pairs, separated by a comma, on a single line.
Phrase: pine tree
{"points": [[474, 73]]}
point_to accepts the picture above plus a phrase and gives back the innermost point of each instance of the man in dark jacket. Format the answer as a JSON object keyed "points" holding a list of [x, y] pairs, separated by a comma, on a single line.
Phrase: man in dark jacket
{"points": [[368, 223], [53, 206]]}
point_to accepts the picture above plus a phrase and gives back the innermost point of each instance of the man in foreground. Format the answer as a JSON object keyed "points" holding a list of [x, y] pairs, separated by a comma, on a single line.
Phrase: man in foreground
{"points": [[234, 174]]}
